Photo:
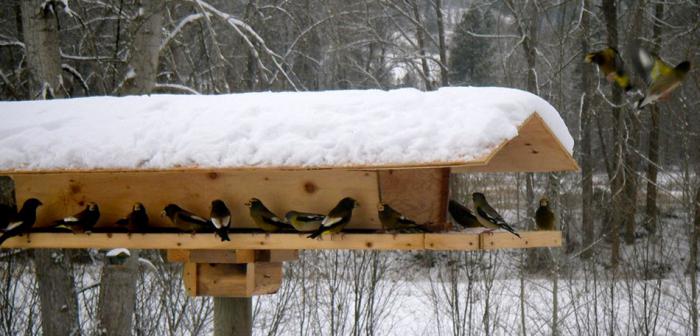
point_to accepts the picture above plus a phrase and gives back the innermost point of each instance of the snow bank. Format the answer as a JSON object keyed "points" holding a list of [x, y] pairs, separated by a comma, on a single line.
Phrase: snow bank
{"points": [[287, 129]]}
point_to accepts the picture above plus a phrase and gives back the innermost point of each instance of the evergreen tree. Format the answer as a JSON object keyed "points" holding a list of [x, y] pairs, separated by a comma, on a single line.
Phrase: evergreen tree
{"points": [[470, 56]]}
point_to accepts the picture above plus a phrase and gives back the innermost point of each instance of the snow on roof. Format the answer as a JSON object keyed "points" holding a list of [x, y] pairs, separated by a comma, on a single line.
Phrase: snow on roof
{"points": [[284, 129]]}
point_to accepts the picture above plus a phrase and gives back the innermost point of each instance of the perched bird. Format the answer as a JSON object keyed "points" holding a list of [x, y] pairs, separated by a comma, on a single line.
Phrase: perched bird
{"points": [[304, 221], [20, 222], [82, 221], [610, 63], [487, 216], [544, 217], [393, 220], [183, 219], [264, 218], [136, 220], [661, 78], [220, 217], [337, 218], [462, 215]]}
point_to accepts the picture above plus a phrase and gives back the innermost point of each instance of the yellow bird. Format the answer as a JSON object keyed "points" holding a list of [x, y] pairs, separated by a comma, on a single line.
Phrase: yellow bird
{"points": [[264, 218], [610, 63], [662, 78], [394, 221], [337, 218]]}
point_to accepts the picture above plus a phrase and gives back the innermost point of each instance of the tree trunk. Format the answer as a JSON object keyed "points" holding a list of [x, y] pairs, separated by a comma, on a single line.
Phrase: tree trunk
{"points": [[59, 301], [587, 226], [143, 55], [441, 40], [118, 297], [616, 180], [40, 32], [421, 46], [693, 266], [233, 316], [654, 132]]}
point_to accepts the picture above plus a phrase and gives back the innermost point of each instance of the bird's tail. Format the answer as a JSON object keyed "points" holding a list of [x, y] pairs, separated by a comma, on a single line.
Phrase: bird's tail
{"points": [[223, 233], [315, 234], [511, 230], [3, 238]]}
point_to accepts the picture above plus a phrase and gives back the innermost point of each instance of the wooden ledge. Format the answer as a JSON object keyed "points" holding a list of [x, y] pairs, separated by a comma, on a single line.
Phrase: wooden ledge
{"points": [[457, 241]]}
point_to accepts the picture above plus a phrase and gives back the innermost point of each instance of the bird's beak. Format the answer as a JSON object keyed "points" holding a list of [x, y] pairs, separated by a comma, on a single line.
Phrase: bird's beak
{"points": [[247, 204], [162, 213], [357, 205]]}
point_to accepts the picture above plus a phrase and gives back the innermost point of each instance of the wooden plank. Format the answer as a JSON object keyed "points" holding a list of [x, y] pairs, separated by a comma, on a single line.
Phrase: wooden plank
{"points": [[284, 241], [264, 278], [189, 277], [222, 280], [178, 256], [530, 239], [312, 191], [231, 256], [534, 149], [418, 194], [454, 241]]}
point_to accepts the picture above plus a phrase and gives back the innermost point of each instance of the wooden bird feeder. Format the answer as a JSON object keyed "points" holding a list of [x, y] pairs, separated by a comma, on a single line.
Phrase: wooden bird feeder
{"points": [[251, 263]]}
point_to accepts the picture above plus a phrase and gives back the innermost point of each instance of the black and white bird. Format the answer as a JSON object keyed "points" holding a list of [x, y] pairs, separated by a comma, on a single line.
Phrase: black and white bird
{"points": [[220, 217], [19, 222], [337, 218], [136, 220], [488, 216], [82, 221]]}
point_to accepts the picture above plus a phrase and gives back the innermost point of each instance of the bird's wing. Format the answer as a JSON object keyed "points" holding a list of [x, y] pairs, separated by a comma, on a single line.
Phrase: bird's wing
{"points": [[328, 221], [191, 218], [71, 219], [309, 217], [221, 222], [13, 225], [490, 214]]}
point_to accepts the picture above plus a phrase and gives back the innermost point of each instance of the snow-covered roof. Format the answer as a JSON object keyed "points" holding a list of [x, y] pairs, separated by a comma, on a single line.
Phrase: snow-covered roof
{"points": [[356, 128]]}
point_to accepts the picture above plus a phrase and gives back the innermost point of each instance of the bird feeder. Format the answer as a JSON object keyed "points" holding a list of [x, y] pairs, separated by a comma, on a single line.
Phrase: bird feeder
{"points": [[159, 168]]}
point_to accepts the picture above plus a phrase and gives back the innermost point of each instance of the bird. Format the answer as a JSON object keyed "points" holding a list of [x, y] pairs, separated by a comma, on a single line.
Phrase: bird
{"points": [[487, 216], [462, 215], [264, 218], [136, 220], [661, 77], [82, 221], [393, 220], [610, 63], [20, 222], [220, 217], [337, 218], [544, 217], [304, 221], [183, 219]]}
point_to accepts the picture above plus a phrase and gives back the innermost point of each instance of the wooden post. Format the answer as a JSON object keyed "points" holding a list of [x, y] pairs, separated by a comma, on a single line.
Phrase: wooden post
{"points": [[233, 316]]}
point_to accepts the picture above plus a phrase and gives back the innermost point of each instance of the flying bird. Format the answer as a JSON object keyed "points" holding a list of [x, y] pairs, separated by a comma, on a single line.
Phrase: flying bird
{"points": [[19, 222], [661, 77], [82, 221], [544, 217], [136, 220], [610, 63], [264, 218], [488, 217], [183, 219], [304, 221], [220, 217], [337, 218], [462, 215], [394, 221]]}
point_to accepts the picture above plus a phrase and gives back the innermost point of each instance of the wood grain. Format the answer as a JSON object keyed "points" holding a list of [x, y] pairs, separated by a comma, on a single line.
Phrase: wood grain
{"points": [[316, 191], [420, 195]]}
